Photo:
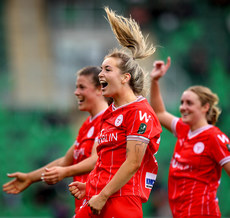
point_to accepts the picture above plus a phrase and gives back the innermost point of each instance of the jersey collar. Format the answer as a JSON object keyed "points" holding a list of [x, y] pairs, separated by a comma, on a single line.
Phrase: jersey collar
{"points": [[98, 114], [196, 132], [139, 98]]}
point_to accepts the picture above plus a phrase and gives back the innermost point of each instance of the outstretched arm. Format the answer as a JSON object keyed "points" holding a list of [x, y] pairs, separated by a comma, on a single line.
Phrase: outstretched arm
{"points": [[57, 173], [51, 173], [21, 181], [156, 101]]}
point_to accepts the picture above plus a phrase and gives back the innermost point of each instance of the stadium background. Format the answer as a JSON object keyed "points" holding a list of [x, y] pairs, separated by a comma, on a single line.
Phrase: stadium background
{"points": [[42, 45]]}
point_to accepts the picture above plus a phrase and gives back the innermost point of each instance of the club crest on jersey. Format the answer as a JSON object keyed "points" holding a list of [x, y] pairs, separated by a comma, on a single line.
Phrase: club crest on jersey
{"points": [[150, 179], [90, 132], [119, 120], [142, 128], [198, 148]]}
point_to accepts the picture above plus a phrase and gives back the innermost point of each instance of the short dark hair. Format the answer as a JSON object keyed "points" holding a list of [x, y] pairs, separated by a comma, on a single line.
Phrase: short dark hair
{"points": [[92, 71]]}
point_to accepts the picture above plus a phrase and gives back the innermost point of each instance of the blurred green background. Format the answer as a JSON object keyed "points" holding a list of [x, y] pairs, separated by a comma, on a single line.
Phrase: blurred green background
{"points": [[44, 42]]}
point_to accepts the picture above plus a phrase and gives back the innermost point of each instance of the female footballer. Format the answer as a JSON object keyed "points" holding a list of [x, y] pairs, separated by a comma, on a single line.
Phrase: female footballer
{"points": [[200, 152], [126, 168], [76, 161]]}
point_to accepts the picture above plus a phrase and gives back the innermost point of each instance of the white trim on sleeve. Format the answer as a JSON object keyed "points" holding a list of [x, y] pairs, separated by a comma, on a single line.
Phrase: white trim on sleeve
{"points": [[173, 125], [137, 138], [224, 160]]}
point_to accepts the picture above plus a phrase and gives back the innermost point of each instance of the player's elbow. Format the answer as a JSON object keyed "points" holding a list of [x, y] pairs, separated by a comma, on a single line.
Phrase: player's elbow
{"points": [[134, 165], [93, 161]]}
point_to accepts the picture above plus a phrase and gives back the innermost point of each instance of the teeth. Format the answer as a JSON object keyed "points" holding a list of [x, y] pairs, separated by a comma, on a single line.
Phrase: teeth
{"points": [[80, 99], [104, 84]]}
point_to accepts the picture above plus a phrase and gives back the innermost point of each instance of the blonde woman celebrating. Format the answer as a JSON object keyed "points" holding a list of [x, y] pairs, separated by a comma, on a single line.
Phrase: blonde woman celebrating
{"points": [[200, 152], [126, 168]]}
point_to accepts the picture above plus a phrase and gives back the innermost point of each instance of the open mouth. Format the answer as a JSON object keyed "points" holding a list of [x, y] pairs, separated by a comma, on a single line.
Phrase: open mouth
{"points": [[80, 100], [103, 84], [185, 114]]}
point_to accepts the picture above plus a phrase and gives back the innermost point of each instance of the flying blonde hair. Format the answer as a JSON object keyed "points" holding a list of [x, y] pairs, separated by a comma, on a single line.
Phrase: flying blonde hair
{"points": [[129, 36]]}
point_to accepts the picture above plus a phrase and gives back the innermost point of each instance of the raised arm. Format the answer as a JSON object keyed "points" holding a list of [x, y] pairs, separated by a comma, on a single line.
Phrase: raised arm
{"points": [[156, 101]]}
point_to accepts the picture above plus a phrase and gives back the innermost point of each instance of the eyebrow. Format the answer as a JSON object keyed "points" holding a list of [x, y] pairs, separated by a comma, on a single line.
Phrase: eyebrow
{"points": [[107, 66]]}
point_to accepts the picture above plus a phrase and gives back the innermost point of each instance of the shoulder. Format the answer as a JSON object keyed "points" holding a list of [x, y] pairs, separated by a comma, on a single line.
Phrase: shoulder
{"points": [[215, 134], [86, 122], [179, 128], [142, 114], [141, 104], [141, 109]]}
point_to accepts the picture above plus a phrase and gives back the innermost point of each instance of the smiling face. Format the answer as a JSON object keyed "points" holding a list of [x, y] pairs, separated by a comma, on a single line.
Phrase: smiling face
{"points": [[86, 93], [110, 77], [192, 112]]}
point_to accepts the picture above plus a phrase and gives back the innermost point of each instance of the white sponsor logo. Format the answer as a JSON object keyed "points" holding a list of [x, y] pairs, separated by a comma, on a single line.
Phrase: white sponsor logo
{"points": [[177, 155], [107, 137], [90, 132], [78, 152], [181, 142], [144, 116], [119, 120], [198, 148], [223, 138], [176, 164], [76, 143], [150, 179]]}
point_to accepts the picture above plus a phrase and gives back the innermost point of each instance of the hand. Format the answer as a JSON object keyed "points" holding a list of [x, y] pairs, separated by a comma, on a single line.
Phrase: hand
{"points": [[53, 175], [159, 69], [20, 182], [77, 189], [96, 203]]}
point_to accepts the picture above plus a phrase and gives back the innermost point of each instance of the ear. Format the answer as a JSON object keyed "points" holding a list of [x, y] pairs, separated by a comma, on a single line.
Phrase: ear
{"points": [[125, 78], [206, 107]]}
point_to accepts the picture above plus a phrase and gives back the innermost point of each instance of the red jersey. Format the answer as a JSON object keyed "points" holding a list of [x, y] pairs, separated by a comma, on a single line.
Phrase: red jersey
{"points": [[195, 170], [134, 121], [84, 144]]}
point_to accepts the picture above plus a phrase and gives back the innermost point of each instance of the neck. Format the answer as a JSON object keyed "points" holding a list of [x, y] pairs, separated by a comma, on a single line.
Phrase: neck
{"points": [[124, 98], [98, 107], [198, 125]]}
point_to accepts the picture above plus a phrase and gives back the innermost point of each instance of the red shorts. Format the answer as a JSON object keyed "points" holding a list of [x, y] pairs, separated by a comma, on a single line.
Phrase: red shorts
{"points": [[117, 207], [78, 204]]}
